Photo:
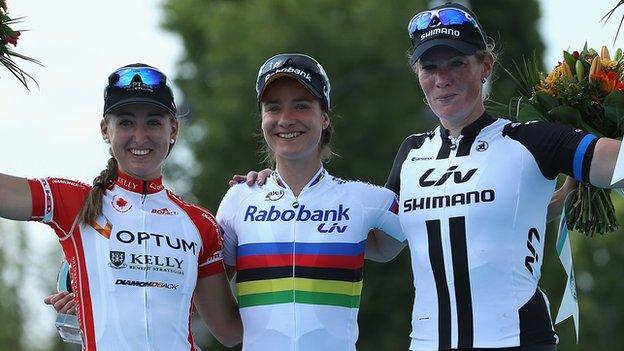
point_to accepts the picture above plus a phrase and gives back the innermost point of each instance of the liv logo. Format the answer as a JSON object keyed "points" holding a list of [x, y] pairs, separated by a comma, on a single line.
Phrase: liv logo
{"points": [[322, 228], [458, 177]]}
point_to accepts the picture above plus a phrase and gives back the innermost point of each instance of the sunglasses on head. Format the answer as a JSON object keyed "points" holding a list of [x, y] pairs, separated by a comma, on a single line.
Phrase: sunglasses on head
{"points": [[445, 17], [300, 61], [144, 76]]}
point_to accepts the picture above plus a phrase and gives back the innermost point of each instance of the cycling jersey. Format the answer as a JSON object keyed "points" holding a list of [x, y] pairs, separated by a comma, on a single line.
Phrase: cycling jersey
{"points": [[134, 270], [474, 212], [299, 259]]}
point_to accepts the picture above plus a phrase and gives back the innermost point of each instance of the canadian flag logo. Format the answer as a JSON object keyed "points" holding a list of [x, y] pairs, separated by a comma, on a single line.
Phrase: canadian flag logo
{"points": [[121, 204]]}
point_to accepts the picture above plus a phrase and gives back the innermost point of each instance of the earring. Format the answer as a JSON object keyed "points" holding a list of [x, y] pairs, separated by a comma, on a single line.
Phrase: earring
{"points": [[482, 80], [171, 141], [107, 140], [425, 102]]}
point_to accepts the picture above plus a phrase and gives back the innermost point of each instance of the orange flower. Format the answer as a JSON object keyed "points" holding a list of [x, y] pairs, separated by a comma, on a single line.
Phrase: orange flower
{"points": [[609, 80]]}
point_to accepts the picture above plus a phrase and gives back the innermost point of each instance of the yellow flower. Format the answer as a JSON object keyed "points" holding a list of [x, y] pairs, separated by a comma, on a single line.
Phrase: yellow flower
{"points": [[548, 83], [607, 64]]}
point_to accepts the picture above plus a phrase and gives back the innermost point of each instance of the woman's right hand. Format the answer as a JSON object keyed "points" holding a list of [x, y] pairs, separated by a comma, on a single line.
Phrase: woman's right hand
{"points": [[252, 177], [63, 302]]}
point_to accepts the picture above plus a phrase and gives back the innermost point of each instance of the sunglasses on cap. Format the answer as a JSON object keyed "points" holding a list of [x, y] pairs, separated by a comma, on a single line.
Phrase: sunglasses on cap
{"points": [[138, 83], [295, 60], [129, 77], [302, 67], [445, 17]]}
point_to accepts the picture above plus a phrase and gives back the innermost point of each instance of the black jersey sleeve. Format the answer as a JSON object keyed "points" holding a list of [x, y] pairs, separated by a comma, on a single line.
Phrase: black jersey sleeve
{"points": [[414, 141], [556, 148]]}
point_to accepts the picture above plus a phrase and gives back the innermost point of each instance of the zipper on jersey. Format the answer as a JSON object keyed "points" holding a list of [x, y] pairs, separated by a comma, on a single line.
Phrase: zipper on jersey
{"points": [[295, 204], [144, 194], [145, 274]]}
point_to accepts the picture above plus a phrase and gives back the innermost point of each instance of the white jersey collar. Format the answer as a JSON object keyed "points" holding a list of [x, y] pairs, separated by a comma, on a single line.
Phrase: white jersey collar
{"points": [[315, 180]]}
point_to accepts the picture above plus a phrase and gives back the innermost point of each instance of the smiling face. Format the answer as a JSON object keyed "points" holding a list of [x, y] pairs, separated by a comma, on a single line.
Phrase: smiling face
{"points": [[292, 121], [452, 84], [140, 138]]}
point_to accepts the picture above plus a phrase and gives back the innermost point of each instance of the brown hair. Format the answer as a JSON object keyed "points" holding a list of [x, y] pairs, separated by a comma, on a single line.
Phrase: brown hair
{"points": [[268, 156], [92, 206]]}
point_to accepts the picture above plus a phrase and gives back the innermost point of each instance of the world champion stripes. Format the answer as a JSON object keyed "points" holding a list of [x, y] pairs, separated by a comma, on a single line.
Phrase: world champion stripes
{"points": [[310, 273]]}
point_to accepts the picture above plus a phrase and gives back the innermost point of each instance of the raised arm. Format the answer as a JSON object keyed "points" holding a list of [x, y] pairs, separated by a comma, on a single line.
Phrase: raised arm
{"points": [[603, 163], [15, 198], [216, 306]]}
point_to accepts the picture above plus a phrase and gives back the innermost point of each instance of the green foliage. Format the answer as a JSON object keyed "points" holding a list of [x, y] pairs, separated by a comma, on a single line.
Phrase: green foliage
{"points": [[512, 25], [11, 311]]}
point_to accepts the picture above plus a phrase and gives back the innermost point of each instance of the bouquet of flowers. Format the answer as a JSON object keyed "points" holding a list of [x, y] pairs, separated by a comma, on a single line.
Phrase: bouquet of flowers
{"points": [[8, 38], [586, 91]]}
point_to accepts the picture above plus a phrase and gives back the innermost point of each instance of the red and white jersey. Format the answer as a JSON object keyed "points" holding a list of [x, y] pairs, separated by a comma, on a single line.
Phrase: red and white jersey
{"points": [[134, 270]]}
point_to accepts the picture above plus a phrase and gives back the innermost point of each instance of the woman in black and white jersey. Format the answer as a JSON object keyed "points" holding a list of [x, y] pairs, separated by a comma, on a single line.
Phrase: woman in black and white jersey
{"points": [[474, 195]]}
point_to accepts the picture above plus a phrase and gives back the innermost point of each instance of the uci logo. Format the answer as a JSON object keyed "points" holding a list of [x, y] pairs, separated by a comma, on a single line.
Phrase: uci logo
{"points": [[458, 177], [274, 195], [482, 145]]}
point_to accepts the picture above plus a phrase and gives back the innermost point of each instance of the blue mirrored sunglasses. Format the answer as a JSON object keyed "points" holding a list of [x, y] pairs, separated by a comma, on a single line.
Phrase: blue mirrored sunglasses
{"points": [[125, 77], [447, 17]]}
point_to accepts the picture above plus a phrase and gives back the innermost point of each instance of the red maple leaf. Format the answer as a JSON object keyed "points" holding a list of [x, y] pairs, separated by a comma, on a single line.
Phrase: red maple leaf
{"points": [[121, 202]]}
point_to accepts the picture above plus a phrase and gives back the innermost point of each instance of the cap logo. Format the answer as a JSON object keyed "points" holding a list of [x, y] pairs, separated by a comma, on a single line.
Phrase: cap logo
{"points": [[296, 71], [447, 31], [139, 86]]}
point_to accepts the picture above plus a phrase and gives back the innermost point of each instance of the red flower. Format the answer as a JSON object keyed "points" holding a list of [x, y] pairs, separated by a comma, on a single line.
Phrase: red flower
{"points": [[576, 55], [609, 81], [12, 39]]}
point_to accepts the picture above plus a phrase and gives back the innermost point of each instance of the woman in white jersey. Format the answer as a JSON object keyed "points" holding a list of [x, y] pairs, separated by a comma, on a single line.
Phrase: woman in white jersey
{"points": [[139, 256], [297, 243], [474, 194]]}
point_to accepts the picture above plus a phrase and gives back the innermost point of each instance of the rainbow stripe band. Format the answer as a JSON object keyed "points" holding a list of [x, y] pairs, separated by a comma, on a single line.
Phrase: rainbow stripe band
{"points": [[306, 297], [311, 273], [347, 275], [343, 249], [303, 284]]}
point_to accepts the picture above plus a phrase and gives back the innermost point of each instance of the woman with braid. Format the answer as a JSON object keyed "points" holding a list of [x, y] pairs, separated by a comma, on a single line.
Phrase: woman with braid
{"points": [[139, 256]]}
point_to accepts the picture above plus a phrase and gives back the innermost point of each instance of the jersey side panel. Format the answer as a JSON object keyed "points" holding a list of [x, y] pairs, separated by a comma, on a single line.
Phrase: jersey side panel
{"points": [[211, 253], [56, 202]]}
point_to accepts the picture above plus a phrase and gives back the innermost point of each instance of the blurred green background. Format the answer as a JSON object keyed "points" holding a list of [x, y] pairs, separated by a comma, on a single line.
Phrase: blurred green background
{"points": [[377, 103]]}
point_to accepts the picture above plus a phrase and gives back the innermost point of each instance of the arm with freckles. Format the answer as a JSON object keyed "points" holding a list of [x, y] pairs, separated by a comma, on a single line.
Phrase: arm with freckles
{"points": [[218, 309], [15, 198]]}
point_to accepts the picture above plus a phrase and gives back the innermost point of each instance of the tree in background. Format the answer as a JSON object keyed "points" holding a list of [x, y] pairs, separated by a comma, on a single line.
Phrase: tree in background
{"points": [[376, 100], [12, 316]]}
